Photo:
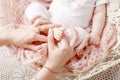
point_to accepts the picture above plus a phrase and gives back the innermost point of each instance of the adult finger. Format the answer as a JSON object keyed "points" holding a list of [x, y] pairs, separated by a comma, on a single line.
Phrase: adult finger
{"points": [[41, 38], [33, 20], [39, 22], [48, 26], [51, 43], [30, 47], [19, 54], [74, 39], [64, 42], [22, 57]]}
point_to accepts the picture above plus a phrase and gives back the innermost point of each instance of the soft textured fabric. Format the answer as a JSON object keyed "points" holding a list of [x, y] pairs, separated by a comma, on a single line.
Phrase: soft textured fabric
{"points": [[11, 69], [64, 12], [91, 55]]}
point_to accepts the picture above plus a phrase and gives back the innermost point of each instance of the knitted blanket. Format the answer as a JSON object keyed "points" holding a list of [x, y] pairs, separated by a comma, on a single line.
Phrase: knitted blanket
{"points": [[11, 69]]}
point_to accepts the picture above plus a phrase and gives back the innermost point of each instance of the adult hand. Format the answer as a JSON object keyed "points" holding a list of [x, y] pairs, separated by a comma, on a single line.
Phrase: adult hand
{"points": [[43, 24], [24, 35], [60, 54]]}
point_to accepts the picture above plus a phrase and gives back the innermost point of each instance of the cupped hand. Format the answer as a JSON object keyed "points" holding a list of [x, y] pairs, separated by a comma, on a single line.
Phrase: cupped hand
{"points": [[43, 24], [24, 35], [59, 55]]}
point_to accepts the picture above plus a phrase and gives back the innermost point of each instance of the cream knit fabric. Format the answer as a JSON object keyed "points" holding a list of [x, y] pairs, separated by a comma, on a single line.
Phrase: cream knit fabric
{"points": [[11, 69]]}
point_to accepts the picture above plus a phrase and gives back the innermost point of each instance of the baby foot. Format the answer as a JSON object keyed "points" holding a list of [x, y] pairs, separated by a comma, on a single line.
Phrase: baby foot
{"points": [[58, 32]]}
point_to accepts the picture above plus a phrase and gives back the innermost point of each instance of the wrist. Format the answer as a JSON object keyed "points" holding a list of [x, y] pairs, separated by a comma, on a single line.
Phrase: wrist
{"points": [[4, 38], [45, 74], [10, 37], [50, 70], [54, 67]]}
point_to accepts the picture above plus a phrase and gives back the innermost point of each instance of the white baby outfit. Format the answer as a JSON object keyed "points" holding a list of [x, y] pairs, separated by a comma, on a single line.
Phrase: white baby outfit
{"points": [[67, 13]]}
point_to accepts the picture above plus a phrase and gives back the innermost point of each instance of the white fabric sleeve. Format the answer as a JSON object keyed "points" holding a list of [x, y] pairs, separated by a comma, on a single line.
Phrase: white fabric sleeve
{"points": [[100, 2]]}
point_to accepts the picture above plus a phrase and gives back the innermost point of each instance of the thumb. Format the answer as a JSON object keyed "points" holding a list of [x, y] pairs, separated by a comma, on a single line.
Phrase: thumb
{"points": [[51, 42]]}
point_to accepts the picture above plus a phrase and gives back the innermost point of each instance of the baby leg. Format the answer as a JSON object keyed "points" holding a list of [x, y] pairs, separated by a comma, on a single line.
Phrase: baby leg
{"points": [[82, 45], [81, 33], [36, 9]]}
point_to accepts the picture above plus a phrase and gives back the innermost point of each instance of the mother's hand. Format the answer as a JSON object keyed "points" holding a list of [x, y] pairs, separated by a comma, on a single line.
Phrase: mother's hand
{"points": [[24, 35], [60, 54], [43, 24]]}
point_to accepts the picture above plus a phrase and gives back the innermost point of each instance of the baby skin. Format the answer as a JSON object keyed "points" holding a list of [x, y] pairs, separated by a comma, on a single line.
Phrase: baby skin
{"points": [[58, 32]]}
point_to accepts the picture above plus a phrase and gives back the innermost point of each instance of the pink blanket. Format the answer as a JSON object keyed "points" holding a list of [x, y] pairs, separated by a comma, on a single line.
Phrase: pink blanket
{"points": [[90, 56]]}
